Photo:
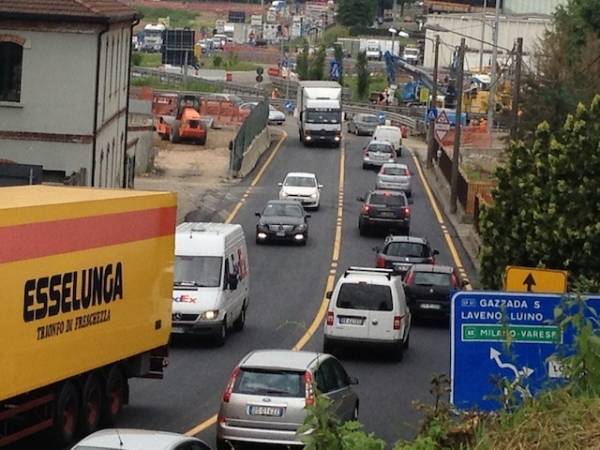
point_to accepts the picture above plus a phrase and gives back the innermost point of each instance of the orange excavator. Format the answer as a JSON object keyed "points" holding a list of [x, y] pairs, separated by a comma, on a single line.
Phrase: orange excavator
{"points": [[184, 123]]}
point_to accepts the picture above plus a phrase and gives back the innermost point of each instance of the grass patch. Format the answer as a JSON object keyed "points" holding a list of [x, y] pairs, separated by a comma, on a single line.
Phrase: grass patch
{"points": [[179, 18], [555, 420], [141, 59], [377, 83], [191, 85], [231, 62]]}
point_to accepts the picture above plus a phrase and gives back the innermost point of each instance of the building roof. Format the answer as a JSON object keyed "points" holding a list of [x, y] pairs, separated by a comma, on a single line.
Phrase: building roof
{"points": [[96, 11]]}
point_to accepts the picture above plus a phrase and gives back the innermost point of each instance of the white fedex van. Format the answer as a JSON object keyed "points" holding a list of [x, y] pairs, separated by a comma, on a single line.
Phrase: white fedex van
{"points": [[211, 282]]}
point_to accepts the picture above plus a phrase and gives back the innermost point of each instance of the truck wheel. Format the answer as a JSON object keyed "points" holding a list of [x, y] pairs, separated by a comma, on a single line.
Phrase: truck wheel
{"points": [[239, 323], [221, 335], [223, 445], [66, 415], [115, 395], [91, 401]]}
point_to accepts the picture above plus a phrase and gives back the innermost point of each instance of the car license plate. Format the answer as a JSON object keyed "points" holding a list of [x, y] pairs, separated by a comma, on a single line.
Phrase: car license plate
{"points": [[272, 411], [351, 320], [177, 330], [280, 234], [401, 266], [430, 306], [387, 214]]}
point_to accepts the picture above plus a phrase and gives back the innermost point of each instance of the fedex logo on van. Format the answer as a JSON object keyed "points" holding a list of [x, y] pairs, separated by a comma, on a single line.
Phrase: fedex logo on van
{"points": [[185, 298]]}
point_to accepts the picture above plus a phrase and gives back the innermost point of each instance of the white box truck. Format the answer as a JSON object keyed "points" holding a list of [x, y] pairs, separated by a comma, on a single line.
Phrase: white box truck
{"points": [[319, 112]]}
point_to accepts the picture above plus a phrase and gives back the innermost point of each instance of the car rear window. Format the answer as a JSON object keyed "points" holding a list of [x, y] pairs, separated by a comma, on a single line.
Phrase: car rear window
{"points": [[381, 148], [432, 279], [372, 297], [397, 171], [369, 119], [387, 199], [276, 383], [407, 249]]}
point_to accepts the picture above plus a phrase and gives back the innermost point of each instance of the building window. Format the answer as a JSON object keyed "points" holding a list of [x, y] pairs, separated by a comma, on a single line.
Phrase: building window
{"points": [[11, 63]]}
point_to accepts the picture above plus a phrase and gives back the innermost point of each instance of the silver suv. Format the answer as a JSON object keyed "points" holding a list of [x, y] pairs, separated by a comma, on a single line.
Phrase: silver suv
{"points": [[266, 398]]}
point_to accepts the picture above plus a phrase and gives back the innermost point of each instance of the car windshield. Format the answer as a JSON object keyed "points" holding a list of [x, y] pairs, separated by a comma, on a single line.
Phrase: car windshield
{"points": [[396, 171], [198, 271], [432, 279], [313, 116], [407, 250], [300, 182], [279, 383], [282, 210], [381, 148], [369, 119], [387, 199], [372, 297]]}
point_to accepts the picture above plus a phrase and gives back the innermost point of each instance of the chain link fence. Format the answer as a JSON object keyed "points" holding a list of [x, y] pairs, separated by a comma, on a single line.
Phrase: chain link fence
{"points": [[254, 124]]}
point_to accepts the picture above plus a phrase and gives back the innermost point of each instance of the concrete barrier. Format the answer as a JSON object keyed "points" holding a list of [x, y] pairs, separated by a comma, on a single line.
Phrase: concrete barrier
{"points": [[259, 145]]}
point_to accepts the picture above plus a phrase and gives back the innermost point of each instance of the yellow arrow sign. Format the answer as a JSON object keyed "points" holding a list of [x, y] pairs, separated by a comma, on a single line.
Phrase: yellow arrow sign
{"points": [[530, 279]]}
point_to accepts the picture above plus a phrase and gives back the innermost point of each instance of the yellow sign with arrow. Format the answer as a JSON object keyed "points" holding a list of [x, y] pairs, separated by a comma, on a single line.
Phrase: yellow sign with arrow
{"points": [[530, 279]]}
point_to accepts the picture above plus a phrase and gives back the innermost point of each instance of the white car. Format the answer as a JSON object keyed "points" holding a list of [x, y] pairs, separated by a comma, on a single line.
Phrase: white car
{"points": [[302, 187], [276, 116], [368, 307], [131, 439]]}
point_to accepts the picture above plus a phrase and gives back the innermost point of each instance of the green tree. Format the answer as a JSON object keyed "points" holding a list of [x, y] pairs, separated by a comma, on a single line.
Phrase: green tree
{"points": [[403, 4], [362, 72], [547, 202], [357, 13], [566, 67], [317, 64], [302, 63]]}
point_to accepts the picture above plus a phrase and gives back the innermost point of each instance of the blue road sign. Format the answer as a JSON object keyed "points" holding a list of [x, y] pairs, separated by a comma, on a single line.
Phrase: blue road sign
{"points": [[285, 62], [479, 323], [432, 114], [381, 116], [335, 71]]}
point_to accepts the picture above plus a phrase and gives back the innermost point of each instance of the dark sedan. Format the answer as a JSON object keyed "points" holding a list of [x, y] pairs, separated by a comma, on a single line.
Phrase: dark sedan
{"points": [[282, 220], [428, 288], [401, 252], [384, 210]]}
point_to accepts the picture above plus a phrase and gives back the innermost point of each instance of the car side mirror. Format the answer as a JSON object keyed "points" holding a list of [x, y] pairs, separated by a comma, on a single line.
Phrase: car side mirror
{"points": [[376, 249], [436, 252], [352, 380], [257, 214], [232, 281], [308, 216], [329, 294], [320, 186], [280, 184], [360, 199]]}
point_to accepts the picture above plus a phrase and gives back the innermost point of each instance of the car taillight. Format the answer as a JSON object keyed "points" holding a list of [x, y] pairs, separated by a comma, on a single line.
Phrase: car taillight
{"points": [[397, 322], [329, 318], [406, 211], [309, 394], [409, 278], [380, 262], [229, 388], [366, 209]]}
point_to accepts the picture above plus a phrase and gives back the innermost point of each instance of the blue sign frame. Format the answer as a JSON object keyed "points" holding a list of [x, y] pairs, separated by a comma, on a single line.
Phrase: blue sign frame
{"points": [[479, 324]]}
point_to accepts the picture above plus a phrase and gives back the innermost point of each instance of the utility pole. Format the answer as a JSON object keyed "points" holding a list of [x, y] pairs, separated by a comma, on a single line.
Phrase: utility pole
{"points": [[516, 94], [483, 22], [457, 127], [431, 144], [494, 81]]}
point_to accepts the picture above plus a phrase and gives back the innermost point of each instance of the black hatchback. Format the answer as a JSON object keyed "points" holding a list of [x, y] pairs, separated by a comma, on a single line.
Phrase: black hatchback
{"points": [[401, 252], [384, 210], [428, 288]]}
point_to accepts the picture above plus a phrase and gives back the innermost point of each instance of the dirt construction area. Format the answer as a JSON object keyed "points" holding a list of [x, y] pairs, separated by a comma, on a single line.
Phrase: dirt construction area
{"points": [[190, 170]]}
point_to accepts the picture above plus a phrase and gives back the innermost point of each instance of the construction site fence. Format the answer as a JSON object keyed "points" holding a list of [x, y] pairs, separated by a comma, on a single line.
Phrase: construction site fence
{"points": [[254, 124]]}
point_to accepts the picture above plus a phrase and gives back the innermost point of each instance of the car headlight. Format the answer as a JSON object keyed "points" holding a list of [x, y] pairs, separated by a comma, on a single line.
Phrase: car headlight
{"points": [[301, 227], [210, 315], [313, 195], [284, 194]]}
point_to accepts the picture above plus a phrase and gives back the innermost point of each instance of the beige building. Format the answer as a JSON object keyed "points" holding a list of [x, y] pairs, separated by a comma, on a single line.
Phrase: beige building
{"points": [[64, 85]]}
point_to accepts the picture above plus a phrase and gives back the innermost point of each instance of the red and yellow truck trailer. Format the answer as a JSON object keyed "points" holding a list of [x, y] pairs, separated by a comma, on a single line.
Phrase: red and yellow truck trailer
{"points": [[87, 277]]}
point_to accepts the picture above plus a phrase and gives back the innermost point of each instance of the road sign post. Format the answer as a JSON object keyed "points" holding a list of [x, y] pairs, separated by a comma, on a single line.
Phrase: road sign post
{"points": [[480, 324], [530, 279]]}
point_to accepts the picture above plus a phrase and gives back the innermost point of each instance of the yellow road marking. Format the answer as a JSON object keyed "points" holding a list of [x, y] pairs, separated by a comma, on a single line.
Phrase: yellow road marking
{"points": [[440, 218], [256, 179], [314, 326]]}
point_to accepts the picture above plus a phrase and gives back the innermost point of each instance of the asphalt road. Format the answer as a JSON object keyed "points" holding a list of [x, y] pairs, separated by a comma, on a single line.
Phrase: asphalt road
{"points": [[287, 288]]}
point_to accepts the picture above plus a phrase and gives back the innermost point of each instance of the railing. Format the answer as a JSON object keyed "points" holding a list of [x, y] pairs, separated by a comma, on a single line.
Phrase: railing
{"points": [[254, 124]]}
